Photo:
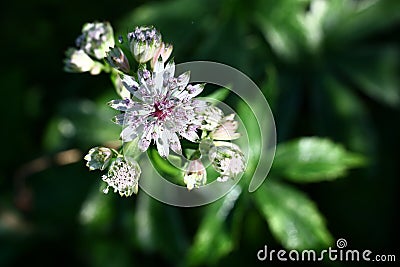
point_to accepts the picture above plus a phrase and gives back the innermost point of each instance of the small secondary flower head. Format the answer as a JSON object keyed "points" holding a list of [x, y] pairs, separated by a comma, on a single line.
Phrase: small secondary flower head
{"points": [[96, 39], [228, 160], [98, 158], [195, 174], [123, 177], [79, 61], [144, 43]]}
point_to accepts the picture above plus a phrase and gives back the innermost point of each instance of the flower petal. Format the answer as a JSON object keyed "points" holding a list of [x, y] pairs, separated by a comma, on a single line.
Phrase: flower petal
{"points": [[159, 65], [183, 79], [130, 83], [145, 140], [121, 104], [162, 143], [119, 119], [190, 135], [128, 134], [174, 143], [196, 89]]}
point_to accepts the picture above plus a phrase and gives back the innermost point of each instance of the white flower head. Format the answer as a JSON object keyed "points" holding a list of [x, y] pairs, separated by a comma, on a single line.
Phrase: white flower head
{"points": [[123, 177], [228, 160], [195, 175], [96, 39], [144, 42], [162, 109], [98, 158], [79, 61]]}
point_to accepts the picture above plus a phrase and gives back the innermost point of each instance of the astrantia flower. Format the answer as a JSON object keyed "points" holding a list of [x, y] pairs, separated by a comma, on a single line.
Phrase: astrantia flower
{"points": [[162, 109], [144, 43], [96, 39], [123, 177], [195, 174], [228, 160], [98, 158], [79, 61]]}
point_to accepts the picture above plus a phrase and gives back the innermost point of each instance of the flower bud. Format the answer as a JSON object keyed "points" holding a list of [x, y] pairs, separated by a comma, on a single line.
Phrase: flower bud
{"points": [[96, 39], [117, 59], [98, 158], [164, 51], [195, 174], [144, 43], [79, 61]]}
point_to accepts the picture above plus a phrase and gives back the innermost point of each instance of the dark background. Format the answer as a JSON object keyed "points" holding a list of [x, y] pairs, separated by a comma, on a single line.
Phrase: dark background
{"points": [[322, 93]]}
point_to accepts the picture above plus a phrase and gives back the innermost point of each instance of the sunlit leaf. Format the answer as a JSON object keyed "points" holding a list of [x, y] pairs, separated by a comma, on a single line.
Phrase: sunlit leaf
{"points": [[293, 218], [312, 159], [279, 22]]}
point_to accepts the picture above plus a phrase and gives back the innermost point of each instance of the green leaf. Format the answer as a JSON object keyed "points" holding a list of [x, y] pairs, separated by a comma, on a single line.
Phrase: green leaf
{"points": [[349, 21], [218, 96], [97, 210], [278, 21], [158, 227], [352, 121], [379, 78], [212, 240], [164, 166], [312, 159], [293, 218], [131, 149]]}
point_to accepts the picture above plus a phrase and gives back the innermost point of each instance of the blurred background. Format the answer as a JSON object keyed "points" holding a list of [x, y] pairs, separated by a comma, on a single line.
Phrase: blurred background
{"points": [[328, 69]]}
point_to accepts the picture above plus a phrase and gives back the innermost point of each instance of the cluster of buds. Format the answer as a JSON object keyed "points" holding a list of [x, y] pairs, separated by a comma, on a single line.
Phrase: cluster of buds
{"points": [[98, 158], [91, 47], [155, 108]]}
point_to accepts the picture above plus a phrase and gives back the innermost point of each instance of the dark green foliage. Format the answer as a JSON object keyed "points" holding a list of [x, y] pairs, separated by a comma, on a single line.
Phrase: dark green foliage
{"points": [[329, 71]]}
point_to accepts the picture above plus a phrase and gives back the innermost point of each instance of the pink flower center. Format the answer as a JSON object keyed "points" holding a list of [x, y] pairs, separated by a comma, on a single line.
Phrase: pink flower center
{"points": [[162, 109]]}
